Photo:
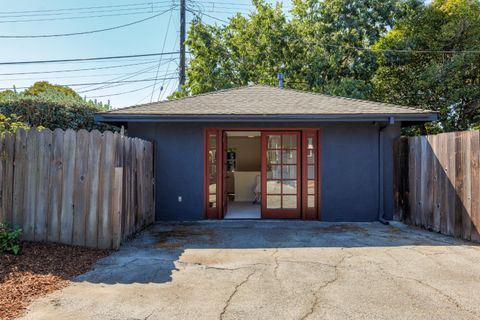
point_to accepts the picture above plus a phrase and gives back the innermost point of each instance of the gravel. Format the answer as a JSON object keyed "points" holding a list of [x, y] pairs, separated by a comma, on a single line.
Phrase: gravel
{"points": [[40, 269]]}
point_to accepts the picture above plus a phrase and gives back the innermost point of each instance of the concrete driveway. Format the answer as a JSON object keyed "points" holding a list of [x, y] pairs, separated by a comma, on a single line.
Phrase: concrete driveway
{"points": [[276, 270]]}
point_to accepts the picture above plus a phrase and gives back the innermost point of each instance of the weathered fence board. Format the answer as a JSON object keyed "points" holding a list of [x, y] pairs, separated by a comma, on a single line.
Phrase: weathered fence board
{"points": [[81, 176], [20, 162], [43, 171], [475, 184], [443, 178], [91, 225], [81, 188], [30, 193], [66, 216], [55, 186]]}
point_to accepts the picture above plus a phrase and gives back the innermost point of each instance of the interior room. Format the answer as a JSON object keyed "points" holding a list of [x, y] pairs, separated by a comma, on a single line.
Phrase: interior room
{"points": [[243, 175]]}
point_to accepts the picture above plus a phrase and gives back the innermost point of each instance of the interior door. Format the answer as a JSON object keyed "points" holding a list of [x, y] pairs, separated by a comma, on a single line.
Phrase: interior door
{"points": [[281, 174]]}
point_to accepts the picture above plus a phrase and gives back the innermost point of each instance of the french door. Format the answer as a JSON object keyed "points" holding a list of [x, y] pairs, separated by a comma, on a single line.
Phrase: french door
{"points": [[281, 175], [290, 174]]}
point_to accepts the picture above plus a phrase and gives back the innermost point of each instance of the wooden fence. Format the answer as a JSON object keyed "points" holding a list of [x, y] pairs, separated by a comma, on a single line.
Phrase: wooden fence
{"points": [[82, 188], [437, 183]]}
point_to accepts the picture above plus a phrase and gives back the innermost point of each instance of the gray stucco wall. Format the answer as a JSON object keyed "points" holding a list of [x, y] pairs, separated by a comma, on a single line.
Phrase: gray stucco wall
{"points": [[349, 168]]}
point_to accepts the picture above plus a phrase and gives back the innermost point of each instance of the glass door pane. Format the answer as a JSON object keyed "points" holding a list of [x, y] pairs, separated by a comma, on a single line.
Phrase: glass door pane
{"points": [[310, 174], [212, 172], [281, 174]]}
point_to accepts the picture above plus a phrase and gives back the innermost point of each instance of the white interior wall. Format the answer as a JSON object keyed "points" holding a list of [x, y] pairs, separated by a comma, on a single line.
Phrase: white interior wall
{"points": [[248, 166]]}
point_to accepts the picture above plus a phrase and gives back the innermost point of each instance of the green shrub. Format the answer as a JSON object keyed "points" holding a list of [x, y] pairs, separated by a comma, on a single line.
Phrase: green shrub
{"points": [[10, 239], [50, 106], [12, 123]]}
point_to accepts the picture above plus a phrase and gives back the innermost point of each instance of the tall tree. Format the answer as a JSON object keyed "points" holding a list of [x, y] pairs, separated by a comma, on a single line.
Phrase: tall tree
{"points": [[247, 49], [443, 73], [332, 33], [315, 48]]}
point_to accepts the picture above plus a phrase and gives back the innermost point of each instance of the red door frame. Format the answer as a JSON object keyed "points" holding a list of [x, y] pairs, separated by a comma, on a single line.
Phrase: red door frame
{"points": [[224, 168], [281, 213], [212, 212], [218, 211], [311, 213]]}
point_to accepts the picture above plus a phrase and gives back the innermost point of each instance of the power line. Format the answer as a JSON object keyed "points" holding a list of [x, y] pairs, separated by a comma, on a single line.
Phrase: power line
{"points": [[121, 93], [97, 83], [145, 97], [115, 85], [226, 3], [80, 17], [151, 8], [84, 32], [71, 76], [121, 78], [163, 49], [160, 93], [90, 59], [86, 8], [196, 14], [183, 34], [77, 70], [385, 50]]}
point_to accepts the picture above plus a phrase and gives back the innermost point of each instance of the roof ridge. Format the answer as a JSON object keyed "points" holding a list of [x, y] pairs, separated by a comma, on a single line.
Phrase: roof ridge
{"points": [[184, 98], [347, 98], [273, 90]]}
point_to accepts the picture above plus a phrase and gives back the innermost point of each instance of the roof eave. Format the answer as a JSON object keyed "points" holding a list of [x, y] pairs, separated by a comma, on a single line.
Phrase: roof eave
{"points": [[111, 117]]}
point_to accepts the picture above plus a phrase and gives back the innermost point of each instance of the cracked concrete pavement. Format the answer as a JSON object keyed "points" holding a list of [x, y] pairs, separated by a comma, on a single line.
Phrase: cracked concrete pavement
{"points": [[276, 270]]}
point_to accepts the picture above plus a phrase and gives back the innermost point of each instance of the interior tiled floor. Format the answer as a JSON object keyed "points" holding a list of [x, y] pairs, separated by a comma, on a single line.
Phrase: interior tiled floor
{"points": [[243, 210]]}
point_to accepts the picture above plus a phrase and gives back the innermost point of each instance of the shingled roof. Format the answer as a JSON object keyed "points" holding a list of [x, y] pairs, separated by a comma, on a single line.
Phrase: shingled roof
{"points": [[260, 101]]}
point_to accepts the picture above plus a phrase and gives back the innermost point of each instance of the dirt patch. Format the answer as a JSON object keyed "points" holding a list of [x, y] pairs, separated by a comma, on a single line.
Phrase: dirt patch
{"points": [[39, 270], [181, 236], [338, 228]]}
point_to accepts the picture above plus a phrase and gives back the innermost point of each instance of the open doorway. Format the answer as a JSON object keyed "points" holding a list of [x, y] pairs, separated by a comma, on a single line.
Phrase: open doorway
{"points": [[262, 173], [243, 175]]}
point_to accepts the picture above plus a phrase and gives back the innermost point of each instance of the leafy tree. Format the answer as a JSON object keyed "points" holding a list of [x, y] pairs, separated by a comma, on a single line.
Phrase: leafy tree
{"points": [[447, 80], [333, 30], [248, 49], [50, 106], [315, 49]]}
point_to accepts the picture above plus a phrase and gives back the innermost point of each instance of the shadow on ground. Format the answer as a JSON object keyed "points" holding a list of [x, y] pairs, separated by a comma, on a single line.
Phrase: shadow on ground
{"points": [[154, 254]]}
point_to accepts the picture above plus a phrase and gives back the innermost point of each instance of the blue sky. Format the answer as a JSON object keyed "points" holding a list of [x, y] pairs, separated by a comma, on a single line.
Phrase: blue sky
{"points": [[156, 35]]}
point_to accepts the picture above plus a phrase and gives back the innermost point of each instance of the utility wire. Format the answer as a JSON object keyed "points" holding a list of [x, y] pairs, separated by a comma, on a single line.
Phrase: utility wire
{"points": [[116, 85], [374, 50], [71, 76], [90, 59], [162, 88], [97, 83], [121, 78], [79, 17], [163, 49], [227, 3], [196, 14], [145, 97], [77, 70], [84, 32], [121, 93], [151, 8], [87, 8]]}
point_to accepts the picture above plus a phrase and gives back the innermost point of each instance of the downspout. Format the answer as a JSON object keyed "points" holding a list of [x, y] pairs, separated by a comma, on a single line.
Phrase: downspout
{"points": [[381, 200]]}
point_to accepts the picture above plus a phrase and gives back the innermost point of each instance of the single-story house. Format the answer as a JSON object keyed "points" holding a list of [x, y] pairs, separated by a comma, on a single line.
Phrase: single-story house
{"points": [[267, 152]]}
